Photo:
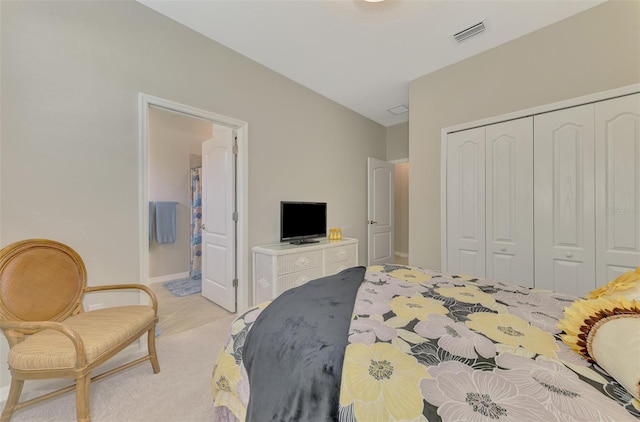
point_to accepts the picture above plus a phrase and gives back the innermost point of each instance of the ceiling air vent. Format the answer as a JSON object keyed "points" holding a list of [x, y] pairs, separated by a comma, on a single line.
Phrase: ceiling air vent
{"points": [[469, 32], [398, 110]]}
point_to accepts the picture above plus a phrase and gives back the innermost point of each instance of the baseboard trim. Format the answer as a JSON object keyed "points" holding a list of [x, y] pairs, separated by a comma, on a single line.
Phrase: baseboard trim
{"points": [[402, 254], [168, 277]]}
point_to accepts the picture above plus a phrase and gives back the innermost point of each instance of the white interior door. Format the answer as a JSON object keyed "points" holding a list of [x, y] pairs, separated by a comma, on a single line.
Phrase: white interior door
{"points": [[564, 200], [509, 201], [466, 202], [380, 210], [617, 187], [218, 222]]}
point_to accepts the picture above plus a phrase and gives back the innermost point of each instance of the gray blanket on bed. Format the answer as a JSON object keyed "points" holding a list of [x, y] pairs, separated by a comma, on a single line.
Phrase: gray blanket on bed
{"points": [[293, 353]]}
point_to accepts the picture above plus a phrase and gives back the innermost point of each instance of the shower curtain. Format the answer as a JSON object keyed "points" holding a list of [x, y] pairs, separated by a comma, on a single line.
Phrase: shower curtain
{"points": [[195, 272]]}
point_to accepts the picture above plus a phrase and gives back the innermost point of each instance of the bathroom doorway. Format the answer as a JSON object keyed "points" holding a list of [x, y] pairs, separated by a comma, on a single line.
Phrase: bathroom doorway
{"points": [[173, 140]]}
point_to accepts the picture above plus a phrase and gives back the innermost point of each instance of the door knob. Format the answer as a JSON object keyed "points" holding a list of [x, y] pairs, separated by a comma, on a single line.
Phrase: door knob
{"points": [[202, 226], [372, 222]]}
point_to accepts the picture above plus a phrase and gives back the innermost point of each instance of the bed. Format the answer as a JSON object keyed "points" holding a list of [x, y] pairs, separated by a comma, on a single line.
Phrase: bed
{"points": [[414, 345]]}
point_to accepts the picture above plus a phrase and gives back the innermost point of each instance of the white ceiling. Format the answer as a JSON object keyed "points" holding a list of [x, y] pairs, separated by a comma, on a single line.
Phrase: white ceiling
{"points": [[362, 55]]}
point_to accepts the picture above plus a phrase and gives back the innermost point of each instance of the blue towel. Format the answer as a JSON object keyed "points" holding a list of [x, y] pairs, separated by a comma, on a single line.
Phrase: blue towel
{"points": [[165, 222]]}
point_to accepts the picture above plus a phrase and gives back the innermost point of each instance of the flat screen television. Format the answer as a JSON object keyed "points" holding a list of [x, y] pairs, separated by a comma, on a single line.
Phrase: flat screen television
{"points": [[302, 221]]}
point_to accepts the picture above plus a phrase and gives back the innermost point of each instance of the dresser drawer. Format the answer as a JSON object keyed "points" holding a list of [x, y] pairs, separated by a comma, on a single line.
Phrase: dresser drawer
{"points": [[336, 267], [289, 281], [299, 261], [340, 253]]}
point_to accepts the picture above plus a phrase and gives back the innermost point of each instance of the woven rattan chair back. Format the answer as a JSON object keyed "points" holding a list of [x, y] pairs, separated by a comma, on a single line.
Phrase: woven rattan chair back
{"points": [[40, 280]]}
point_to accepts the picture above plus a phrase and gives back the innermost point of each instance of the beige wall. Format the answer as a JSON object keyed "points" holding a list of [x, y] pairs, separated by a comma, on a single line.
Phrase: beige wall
{"points": [[401, 211], [71, 75], [173, 140], [593, 51], [398, 142]]}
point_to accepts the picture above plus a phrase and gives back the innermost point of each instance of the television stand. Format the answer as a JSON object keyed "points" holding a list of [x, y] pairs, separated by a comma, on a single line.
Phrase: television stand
{"points": [[303, 241]]}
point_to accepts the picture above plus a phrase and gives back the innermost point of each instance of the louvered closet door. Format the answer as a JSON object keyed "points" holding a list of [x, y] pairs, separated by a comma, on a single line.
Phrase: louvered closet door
{"points": [[564, 200], [617, 162], [466, 202], [509, 201]]}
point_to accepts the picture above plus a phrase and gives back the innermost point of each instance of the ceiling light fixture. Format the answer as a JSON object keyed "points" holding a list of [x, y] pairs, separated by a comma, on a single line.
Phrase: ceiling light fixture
{"points": [[373, 1]]}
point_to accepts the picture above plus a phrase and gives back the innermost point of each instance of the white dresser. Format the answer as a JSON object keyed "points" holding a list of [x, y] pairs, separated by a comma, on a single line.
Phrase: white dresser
{"points": [[279, 267]]}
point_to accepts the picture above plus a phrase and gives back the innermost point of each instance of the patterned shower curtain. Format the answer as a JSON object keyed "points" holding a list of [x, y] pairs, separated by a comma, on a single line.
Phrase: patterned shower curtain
{"points": [[196, 224]]}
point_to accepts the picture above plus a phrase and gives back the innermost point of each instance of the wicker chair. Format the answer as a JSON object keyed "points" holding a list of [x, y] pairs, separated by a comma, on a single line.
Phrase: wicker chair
{"points": [[42, 285]]}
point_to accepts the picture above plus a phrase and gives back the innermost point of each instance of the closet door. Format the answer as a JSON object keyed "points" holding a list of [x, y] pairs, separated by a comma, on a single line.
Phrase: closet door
{"points": [[617, 166], [564, 200], [466, 202], [509, 201]]}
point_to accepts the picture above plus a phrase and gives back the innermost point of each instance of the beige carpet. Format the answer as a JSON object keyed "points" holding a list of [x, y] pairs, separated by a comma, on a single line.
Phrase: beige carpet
{"points": [[179, 393]]}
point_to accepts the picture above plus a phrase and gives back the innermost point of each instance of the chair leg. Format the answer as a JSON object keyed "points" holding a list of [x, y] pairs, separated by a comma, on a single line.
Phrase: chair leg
{"points": [[12, 399], [151, 347], [82, 398]]}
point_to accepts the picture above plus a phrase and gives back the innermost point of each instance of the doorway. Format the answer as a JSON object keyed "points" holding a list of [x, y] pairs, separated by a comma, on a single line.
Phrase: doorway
{"points": [[388, 212], [204, 121]]}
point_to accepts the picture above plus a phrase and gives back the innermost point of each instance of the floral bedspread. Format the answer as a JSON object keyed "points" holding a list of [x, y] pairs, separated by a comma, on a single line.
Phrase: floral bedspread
{"points": [[428, 346]]}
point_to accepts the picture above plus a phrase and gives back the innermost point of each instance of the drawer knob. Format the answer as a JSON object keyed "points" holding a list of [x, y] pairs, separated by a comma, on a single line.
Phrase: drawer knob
{"points": [[504, 248], [569, 254]]}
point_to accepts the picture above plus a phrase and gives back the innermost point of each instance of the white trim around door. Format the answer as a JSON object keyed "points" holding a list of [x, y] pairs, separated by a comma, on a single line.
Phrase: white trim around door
{"points": [[242, 129]]}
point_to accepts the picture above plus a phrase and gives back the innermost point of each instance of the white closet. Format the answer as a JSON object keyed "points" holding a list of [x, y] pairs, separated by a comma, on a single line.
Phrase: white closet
{"points": [[490, 201], [617, 186], [466, 202], [565, 208], [549, 198]]}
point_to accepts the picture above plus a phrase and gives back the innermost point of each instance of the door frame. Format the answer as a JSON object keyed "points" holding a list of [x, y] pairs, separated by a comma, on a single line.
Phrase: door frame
{"points": [[242, 129]]}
